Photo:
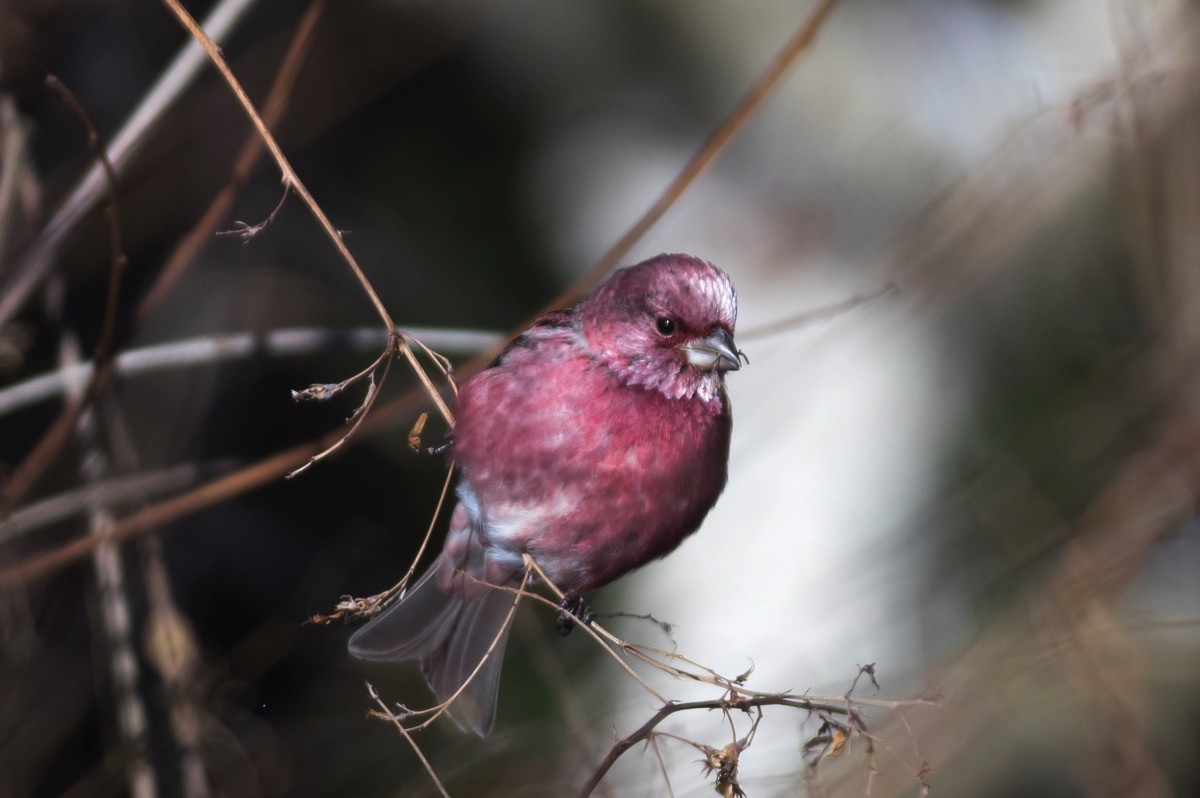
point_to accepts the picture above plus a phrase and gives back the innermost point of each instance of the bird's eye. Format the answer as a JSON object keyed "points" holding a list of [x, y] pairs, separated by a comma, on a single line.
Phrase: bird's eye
{"points": [[665, 325]]}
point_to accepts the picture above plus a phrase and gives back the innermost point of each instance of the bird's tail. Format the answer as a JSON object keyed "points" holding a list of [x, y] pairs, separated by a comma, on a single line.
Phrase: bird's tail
{"points": [[450, 634]]}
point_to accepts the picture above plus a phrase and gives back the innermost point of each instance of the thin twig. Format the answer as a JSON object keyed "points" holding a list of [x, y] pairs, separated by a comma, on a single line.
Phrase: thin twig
{"points": [[170, 643], [221, 347], [360, 415], [820, 314], [400, 344], [438, 710], [664, 627], [387, 713], [646, 729], [43, 454], [350, 607], [751, 101], [662, 766], [104, 492], [113, 211], [290, 179], [200, 235], [35, 262], [247, 232], [115, 633], [218, 490], [593, 629], [437, 511]]}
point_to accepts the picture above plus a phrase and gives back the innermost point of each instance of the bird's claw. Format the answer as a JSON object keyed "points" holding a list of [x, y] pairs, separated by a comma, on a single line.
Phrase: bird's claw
{"points": [[573, 607]]}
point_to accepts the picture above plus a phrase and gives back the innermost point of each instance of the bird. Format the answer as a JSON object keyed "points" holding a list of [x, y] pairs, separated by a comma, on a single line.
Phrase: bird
{"points": [[594, 443]]}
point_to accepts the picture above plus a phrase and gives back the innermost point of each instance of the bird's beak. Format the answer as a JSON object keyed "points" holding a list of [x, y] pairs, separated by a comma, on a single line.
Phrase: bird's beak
{"points": [[717, 352]]}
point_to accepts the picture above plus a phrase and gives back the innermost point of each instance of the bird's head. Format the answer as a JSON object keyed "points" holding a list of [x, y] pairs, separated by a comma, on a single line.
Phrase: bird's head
{"points": [[666, 324]]}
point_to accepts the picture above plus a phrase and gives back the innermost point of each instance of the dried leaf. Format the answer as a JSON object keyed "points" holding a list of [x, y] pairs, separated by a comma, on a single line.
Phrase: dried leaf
{"points": [[319, 392], [837, 744], [742, 677], [414, 435]]}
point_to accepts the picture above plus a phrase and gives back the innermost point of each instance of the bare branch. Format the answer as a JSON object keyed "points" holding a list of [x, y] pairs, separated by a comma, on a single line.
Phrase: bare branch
{"points": [[387, 713], [820, 314], [213, 349], [247, 232], [745, 110], [199, 236], [356, 419], [56, 436], [744, 703], [105, 492], [34, 264], [290, 179]]}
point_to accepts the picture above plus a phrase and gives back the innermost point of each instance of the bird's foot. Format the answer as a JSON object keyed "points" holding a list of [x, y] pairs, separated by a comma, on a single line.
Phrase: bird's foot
{"points": [[573, 607]]}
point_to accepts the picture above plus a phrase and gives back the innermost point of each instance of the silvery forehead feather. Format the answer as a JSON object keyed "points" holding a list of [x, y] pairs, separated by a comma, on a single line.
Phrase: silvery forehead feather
{"points": [[715, 286], [667, 278]]}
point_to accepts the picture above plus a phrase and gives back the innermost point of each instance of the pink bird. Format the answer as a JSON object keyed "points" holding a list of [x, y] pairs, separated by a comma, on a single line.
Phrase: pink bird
{"points": [[596, 442]]}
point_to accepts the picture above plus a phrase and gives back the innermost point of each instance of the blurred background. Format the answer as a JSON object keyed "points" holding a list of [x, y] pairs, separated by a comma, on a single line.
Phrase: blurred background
{"points": [[981, 475]]}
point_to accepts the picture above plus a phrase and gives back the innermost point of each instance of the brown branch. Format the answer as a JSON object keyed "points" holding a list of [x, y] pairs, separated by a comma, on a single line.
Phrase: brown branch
{"points": [[218, 490], [662, 766], [30, 269], [53, 439], [96, 145], [56, 436], [645, 731], [114, 491], [387, 713], [200, 235], [357, 418], [751, 101], [290, 179]]}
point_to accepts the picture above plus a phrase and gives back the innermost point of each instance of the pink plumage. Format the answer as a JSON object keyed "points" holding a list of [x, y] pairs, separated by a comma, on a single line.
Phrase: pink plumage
{"points": [[596, 442]]}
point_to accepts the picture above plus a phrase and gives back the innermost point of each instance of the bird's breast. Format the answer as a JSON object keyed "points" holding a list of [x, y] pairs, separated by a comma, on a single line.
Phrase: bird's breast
{"points": [[590, 476]]}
